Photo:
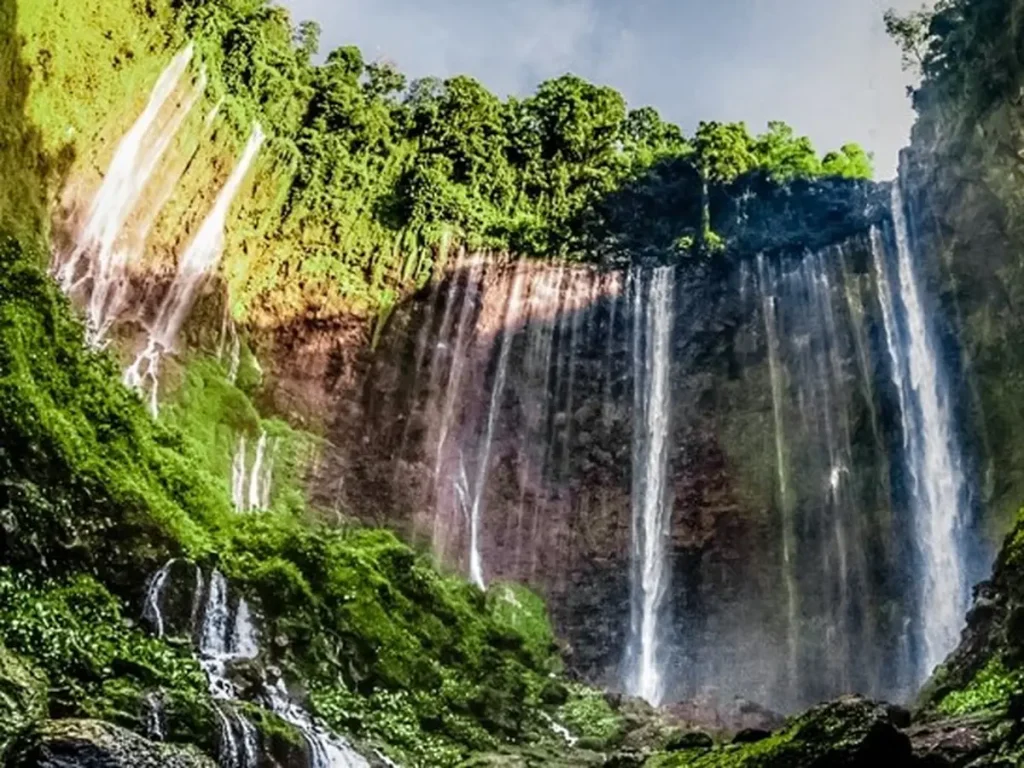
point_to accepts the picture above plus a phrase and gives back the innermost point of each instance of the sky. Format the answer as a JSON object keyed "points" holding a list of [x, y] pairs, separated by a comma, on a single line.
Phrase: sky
{"points": [[826, 67]]}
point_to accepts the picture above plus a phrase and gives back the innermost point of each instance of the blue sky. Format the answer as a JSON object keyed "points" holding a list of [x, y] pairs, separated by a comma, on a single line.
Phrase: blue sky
{"points": [[824, 66]]}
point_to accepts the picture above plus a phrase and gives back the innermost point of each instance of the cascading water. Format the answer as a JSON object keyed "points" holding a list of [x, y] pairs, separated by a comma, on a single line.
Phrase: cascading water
{"points": [[937, 485], [256, 475], [818, 380], [238, 495], [653, 320], [156, 725], [510, 417], [476, 572], [251, 485], [788, 544], [225, 633], [100, 256], [151, 607], [198, 261], [325, 749]]}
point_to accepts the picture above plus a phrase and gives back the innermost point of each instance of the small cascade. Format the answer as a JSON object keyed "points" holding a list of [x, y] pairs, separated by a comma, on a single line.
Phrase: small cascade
{"points": [[156, 718], [326, 750], [251, 485], [653, 296], [238, 496], [257, 474], [560, 730], [239, 740], [197, 263], [153, 602], [232, 345], [225, 633], [103, 250], [937, 485]]}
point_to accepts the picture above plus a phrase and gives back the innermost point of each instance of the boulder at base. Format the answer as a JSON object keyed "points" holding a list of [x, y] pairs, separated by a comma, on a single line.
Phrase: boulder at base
{"points": [[93, 744]]}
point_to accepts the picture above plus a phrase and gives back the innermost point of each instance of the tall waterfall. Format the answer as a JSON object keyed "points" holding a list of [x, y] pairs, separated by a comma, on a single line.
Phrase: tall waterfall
{"points": [[198, 261], [937, 485], [476, 572], [653, 322], [770, 313], [104, 248], [827, 501]]}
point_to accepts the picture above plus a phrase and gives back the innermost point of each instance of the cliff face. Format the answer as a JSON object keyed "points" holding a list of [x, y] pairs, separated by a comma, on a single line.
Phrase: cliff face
{"points": [[498, 416]]}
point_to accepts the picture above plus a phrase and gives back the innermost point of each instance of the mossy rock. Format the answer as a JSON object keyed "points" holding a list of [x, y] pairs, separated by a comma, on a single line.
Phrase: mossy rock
{"points": [[22, 696], [95, 744], [852, 732]]}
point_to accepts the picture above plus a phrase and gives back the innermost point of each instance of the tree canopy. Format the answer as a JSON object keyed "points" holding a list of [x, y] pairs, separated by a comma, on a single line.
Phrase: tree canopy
{"points": [[375, 170]]}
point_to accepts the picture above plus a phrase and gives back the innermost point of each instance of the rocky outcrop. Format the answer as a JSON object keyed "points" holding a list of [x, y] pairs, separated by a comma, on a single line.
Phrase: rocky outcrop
{"points": [[93, 744], [851, 732]]}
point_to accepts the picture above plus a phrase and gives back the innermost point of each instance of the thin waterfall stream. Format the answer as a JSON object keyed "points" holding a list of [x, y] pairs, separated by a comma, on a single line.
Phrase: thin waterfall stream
{"points": [[651, 365]]}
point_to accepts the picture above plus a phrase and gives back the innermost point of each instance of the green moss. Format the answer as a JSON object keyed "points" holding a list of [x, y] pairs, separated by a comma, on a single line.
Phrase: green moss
{"points": [[97, 665], [216, 414], [990, 689], [850, 731], [589, 717], [522, 616], [92, 477], [23, 696]]}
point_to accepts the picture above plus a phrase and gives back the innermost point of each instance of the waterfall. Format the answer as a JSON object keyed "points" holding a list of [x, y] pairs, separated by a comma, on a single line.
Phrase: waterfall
{"points": [[476, 573], [652, 337], [251, 486], [225, 637], [937, 485], [256, 476], [156, 725], [788, 535], [99, 246], [326, 750], [151, 607], [200, 259], [238, 476]]}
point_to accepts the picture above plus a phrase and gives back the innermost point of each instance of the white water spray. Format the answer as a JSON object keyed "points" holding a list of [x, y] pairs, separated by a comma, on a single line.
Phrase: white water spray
{"points": [[651, 365], [151, 607], [256, 475], [156, 726], [326, 750], [937, 481], [98, 248], [238, 476], [199, 260]]}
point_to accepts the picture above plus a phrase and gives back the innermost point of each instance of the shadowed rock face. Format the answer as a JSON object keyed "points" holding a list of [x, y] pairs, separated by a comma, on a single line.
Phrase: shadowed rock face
{"points": [[504, 397], [92, 744]]}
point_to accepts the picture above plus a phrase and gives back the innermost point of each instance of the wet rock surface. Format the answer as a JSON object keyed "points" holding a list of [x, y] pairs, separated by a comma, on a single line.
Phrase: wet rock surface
{"points": [[93, 744]]}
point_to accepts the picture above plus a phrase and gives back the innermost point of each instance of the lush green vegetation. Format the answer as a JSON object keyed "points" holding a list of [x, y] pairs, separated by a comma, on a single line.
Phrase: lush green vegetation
{"points": [[990, 689], [389, 647], [74, 632], [368, 179]]}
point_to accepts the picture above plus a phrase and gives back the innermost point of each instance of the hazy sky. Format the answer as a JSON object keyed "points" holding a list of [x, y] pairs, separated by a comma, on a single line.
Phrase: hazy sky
{"points": [[824, 66]]}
